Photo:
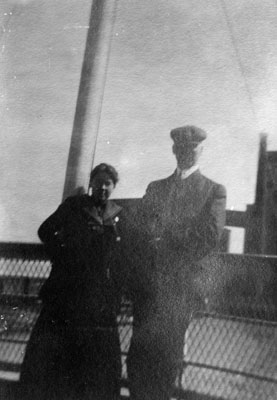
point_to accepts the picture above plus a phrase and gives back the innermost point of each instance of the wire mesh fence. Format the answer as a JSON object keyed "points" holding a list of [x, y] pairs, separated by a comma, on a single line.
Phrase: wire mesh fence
{"points": [[23, 270], [230, 349], [231, 357]]}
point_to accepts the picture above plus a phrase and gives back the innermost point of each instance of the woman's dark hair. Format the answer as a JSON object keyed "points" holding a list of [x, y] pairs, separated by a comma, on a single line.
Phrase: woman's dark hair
{"points": [[108, 169]]}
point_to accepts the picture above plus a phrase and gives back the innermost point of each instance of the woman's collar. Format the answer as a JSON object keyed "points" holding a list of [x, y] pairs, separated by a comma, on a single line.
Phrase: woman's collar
{"points": [[110, 211]]}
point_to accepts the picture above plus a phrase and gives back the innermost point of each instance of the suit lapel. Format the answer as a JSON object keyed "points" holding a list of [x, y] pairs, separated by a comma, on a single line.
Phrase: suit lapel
{"points": [[189, 195]]}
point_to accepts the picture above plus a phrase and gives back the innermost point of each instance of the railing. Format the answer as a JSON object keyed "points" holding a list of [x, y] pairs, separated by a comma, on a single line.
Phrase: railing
{"points": [[230, 348], [23, 269]]}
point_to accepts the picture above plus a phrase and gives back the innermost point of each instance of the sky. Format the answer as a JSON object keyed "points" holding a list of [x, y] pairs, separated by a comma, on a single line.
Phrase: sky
{"points": [[210, 63]]}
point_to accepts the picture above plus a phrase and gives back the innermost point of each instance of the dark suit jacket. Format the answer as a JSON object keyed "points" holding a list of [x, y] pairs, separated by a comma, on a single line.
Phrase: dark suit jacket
{"points": [[181, 223]]}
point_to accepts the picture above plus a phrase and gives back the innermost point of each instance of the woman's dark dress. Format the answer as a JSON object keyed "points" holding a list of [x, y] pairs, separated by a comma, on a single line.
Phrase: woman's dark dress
{"points": [[74, 350]]}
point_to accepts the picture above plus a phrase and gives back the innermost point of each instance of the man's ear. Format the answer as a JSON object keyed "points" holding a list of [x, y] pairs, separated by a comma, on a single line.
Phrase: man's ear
{"points": [[174, 149], [201, 147]]}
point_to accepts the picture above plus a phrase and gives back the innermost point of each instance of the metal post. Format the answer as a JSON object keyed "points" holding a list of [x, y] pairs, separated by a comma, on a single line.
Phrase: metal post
{"points": [[90, 96]]}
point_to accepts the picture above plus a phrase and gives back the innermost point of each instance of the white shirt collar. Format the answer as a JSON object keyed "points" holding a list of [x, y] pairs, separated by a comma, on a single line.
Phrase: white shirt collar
{"points": [[187, 172]]}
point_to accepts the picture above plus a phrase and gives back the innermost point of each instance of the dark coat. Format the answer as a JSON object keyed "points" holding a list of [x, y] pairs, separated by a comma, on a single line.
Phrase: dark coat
{"points": [[180, 223], [74, 350], [87, 278]]}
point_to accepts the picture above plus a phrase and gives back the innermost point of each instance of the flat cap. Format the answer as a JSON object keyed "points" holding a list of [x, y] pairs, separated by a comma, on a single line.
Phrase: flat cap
{"points": [[188, 135]]}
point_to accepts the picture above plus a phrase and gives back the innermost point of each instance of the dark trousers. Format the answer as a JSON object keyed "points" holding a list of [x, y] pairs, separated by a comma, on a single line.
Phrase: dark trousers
{"points": [[155, 358]]}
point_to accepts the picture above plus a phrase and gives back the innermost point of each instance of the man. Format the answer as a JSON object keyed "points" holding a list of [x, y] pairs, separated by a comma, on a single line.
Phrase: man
{"points": [[181, 219]]}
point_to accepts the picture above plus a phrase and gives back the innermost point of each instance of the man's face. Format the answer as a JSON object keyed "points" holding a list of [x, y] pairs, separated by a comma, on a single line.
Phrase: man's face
{"points": [[186, 155], [102, 187]]}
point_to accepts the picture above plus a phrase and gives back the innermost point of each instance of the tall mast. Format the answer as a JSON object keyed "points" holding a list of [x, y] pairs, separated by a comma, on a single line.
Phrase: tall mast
{"points": [[90, 96]]}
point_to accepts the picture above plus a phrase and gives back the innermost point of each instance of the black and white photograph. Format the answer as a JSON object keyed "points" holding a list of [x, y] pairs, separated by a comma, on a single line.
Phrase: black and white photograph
{"points": [[138, 200]]}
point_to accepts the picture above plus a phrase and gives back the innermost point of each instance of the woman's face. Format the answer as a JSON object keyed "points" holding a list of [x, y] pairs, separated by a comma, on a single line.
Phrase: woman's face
{"points": [[102, 187]]}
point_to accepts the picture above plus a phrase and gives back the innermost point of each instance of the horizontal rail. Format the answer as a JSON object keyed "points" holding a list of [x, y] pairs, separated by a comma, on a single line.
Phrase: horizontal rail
{"points": [[246, 320], [230, 371], [17, 300], [18, 341], [9, 367], [31, 251]]}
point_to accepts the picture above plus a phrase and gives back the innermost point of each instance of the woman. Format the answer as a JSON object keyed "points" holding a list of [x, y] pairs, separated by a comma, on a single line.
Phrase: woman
{"points": [[74, 350]]}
